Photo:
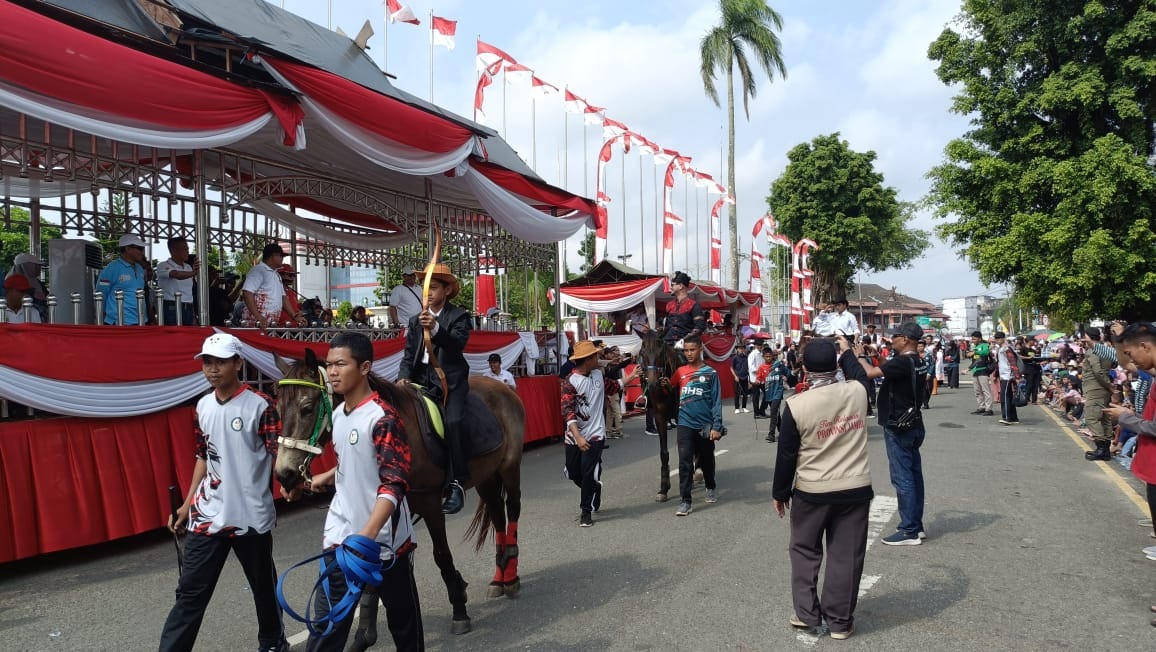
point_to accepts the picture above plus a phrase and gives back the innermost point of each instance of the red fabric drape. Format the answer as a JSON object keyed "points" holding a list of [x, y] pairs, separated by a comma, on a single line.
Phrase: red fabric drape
{"points": [[485, 294], [756, 316], [534, 190], [542, 396], [70, 65], [385, 116], [607, 291]]}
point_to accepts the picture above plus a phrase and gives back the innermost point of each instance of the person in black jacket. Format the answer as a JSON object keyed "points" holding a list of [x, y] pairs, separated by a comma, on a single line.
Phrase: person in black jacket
{"points": [[451, 327]]}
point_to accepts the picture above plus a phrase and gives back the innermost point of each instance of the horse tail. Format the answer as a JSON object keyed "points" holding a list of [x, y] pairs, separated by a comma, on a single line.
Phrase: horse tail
{"points": [[482, 525]]}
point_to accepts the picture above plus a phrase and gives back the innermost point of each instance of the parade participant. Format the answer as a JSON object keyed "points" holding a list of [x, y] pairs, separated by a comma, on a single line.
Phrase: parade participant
{"points": [[28, 266], [754, 361], [951, 364], [823, 476], [612, 364], [15, 289], [228, 505], [404, 299], [982, 364], [449, 328], [684, 316], [928, 354], [740, 372], [873, 338], [772, 377], [370, 481], [699, 422], [1099, 359], [129, 272], [494, 370], [176, 275], [583, 397], [904, 377], [264, 292], [1007, 365], [835, 319]]}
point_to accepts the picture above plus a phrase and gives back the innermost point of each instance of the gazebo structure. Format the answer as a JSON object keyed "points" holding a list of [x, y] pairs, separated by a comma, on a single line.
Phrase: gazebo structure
{"points": [[231, 123]]}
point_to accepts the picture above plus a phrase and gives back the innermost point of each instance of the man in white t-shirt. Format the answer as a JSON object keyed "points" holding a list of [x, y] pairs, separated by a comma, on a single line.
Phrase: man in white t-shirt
{"points": [[836, 320], [16, 287], [583, 411], [263, 292], [404, 299], [497, 373], [176, 275]]}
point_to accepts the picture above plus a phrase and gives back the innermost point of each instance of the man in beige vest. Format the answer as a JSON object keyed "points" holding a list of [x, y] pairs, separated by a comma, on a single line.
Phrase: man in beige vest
{"points": [[822, 476]]}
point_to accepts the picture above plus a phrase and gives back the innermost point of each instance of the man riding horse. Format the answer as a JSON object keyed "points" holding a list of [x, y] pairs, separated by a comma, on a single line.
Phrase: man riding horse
{"points": [[683, 314]]}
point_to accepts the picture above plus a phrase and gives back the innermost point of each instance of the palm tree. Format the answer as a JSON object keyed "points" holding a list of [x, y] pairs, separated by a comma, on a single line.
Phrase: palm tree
{"points": [[747, 31]]}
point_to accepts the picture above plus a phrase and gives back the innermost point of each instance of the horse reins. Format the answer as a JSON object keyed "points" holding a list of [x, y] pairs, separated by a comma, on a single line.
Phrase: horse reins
{"points": [[311, 448]]}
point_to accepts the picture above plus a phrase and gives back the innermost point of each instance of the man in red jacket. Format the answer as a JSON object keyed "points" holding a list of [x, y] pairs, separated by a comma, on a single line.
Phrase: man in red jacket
{"points": [[1138, 341]]}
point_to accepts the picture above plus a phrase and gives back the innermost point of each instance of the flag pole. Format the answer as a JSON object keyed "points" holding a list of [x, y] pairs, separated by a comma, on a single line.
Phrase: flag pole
{"points": [[505, 134], [565, 141], [585, 162], [385, 43], [641, 220], [477, 78], [533, 128], [624, 201], [431, 58], [658, 217]]}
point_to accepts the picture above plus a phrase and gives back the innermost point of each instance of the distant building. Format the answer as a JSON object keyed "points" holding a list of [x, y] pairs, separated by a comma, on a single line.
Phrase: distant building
{"points": [[886, 307], [967, 314]]}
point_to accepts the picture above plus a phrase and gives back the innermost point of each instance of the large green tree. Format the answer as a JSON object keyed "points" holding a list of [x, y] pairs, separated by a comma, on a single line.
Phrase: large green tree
{"points": [[833, 195], [746, 33], [1053, 190], [14, 237]]}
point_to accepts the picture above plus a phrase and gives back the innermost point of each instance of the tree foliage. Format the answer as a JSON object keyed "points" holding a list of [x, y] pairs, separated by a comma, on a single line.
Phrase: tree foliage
{"points": [[14, 237], [833, 195], [1053, 189], [746, 33]]}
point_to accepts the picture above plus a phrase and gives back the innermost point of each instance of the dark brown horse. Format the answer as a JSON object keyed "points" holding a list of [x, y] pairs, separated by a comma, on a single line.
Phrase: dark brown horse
{"points": [[659, 361], [496, 477]]}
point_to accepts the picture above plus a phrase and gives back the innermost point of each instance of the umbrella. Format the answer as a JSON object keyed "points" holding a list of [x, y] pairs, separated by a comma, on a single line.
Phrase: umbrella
{"points": [[1055, 336], [759, 336]]}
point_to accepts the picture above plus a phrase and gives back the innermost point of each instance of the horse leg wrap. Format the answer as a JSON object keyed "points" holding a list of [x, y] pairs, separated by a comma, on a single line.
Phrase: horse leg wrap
{"points": [[510, 565], [499, 556]]}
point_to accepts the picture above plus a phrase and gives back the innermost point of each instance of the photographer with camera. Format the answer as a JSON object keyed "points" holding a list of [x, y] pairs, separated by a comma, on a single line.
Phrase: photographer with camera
{"points": [[904, 381]]}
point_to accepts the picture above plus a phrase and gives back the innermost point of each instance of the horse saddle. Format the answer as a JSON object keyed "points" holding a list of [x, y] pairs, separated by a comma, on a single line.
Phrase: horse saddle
{"points": [[481, 434]]}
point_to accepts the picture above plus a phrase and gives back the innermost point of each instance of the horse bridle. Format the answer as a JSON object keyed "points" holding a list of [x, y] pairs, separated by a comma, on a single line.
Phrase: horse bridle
{"points": [[312, 447]]}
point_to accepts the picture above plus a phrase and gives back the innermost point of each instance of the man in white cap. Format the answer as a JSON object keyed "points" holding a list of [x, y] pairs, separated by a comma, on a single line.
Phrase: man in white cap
{"points": [[228, 505], [404, 299], [28, 266], [129, 272]]}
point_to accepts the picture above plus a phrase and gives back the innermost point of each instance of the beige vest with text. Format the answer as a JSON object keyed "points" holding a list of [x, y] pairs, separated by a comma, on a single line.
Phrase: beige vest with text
{"points": [[833, 438]]}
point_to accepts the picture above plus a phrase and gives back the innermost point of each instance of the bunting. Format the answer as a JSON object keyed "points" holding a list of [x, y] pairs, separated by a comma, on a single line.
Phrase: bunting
{"points": [[399, 13]]}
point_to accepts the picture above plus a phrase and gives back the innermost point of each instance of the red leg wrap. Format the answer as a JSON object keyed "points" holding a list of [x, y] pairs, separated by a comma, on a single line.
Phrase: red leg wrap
{"points": [[500, 549], [510, 573]]}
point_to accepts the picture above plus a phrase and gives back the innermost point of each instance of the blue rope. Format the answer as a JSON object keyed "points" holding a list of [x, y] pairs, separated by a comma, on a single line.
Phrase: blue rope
{"points": [[358, 558]]}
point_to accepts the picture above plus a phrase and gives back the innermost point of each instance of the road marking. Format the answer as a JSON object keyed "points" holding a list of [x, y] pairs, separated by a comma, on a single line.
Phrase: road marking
{"points": [[1112, 474], [882, 509], [721, 451]]}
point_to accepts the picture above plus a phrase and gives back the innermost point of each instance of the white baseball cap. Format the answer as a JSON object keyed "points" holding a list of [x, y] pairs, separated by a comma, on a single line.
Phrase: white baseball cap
{"points": [[220, 345], [23, 258], [130, 240], [408, 271]]}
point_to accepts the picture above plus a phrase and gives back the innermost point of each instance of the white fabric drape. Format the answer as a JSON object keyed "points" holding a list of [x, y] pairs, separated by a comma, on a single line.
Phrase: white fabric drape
{"points": [[516, 216], [626, 343], [111, 127], [99, 399], [611, 305], [479, 362], [312, 229], [388, 154], [39, 188]]}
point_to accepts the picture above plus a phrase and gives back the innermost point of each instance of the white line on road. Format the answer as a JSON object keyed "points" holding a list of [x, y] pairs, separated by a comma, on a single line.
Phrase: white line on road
{"points": [[721, 451], [882, 509]]}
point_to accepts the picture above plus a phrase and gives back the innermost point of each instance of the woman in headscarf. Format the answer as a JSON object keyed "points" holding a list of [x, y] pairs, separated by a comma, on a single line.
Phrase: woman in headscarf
{"points": [[28, 266]]}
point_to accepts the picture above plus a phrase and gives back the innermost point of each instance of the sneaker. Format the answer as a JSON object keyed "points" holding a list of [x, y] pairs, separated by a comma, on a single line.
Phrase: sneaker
{"points": [[976, 412], [746, 410], [683, 509], [652, 433], [1012, 423], [988, 413], [1150, 550], [1004, 422], [901, 539], [283, 646], [597, 500], [842, 636], [799, 624], [922, 534], [712, 497], [585, 520]]}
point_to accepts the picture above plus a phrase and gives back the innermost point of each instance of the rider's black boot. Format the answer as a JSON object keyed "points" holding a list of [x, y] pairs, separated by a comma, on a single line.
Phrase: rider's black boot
{"points": [[455, 499]]}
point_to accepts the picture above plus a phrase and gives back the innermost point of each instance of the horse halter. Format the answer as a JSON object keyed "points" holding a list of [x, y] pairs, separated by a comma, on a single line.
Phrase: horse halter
{"points": [[323, 416]]}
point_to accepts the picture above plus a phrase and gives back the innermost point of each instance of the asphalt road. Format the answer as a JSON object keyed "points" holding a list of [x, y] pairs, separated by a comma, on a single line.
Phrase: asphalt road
{"points": [[1030, 547]]}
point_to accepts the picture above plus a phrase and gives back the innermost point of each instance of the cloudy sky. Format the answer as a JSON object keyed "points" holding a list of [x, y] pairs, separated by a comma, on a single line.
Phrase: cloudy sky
{"points": [[858, 68]]}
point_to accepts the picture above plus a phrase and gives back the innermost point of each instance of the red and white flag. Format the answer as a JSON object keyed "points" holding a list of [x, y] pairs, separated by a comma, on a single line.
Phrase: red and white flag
{"points": [[519, 73], [574, 104], [489, 57], [647, 146], [484, 80], [613, 128], [593, 115], [442, 31], [399, 13], [665, 156], [540, 89]]}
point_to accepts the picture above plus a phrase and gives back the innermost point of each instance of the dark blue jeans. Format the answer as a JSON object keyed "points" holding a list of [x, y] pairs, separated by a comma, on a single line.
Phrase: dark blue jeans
{"points": [[906, 468]]}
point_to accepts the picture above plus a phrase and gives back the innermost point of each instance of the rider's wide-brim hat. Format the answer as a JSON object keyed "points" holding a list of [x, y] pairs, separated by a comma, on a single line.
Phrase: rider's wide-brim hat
{"points": [[442, 273], [584, 349]]}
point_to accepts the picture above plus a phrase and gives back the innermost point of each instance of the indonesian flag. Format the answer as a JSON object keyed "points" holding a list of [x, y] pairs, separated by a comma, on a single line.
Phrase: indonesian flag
{"points": [[613, 128], [575, 104], [399, 13], [593, 115], [646, 146], [489, 58], [665, 156], [484, 80], [780, 240], [540, 89], [702, 179], [519, 73], [442, 31]]}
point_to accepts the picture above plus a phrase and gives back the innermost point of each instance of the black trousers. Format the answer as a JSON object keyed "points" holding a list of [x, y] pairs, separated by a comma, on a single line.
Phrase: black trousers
{"points": [[1007, 399], [690, 444], [456, 431], [772, 410], [844, 528], [1033, 375], [757, 398], [585, 470], [204, 558], [741, 390], [398, 593], [952, 372]]}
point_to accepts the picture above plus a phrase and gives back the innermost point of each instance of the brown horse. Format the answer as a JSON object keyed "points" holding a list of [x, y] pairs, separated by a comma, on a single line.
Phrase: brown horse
{"points": [[496, 477], [659, 362]]}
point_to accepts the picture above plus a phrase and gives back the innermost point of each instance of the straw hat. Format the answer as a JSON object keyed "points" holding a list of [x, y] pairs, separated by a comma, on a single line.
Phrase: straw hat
{"points": [[441, 272], [584, 349]]}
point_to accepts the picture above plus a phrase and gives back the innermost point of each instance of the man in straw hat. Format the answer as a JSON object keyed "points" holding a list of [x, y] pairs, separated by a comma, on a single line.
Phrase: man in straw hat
{"points": [[583, 401], [449, 331]]}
